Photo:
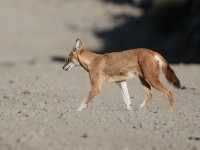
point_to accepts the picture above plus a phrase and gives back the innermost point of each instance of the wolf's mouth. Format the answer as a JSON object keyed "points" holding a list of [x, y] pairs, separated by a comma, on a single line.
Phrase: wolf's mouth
{"points": [[67, 68]]}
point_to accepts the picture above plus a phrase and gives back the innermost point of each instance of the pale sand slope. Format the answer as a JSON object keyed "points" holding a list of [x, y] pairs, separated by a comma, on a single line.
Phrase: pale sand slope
{"points": [[38, 100], [38, 106]]}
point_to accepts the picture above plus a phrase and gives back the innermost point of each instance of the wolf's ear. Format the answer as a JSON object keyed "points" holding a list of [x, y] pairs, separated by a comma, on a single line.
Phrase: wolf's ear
{"points": [[78, 45]]}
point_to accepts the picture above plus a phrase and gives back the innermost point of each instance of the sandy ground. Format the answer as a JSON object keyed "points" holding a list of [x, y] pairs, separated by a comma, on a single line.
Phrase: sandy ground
{"points": [[38, 100]]}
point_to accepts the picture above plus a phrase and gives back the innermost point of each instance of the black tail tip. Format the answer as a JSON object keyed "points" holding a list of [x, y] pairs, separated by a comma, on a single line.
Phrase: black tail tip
{"points": [[177, 84]]}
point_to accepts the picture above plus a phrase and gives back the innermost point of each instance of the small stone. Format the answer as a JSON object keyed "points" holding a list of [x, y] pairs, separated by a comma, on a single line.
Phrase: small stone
{"points": [[44, 109], [197, 138], [121, 119], [26, 115], [25, 92], [60, 115], [194, 148], [153, 148], [18, 140], [6, 97], [10, 81], [24, 103], [85, 135]]}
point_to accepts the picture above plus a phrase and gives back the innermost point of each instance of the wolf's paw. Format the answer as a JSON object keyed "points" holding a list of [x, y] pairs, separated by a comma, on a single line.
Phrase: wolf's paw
{"points": [[129, 108], [143, 105], [81, 107]]}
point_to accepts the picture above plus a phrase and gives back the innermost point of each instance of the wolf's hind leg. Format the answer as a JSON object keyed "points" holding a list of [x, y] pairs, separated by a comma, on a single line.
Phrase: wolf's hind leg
{"points": [[125, 94], [148, 91]]}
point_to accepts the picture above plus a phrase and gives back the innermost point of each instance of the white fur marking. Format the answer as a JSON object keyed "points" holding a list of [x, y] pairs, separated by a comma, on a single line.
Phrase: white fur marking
{"points": [[131, 75], [143, 104], [83, 105], [69, 66], [76, 62], [125, 95], [158, 59]]}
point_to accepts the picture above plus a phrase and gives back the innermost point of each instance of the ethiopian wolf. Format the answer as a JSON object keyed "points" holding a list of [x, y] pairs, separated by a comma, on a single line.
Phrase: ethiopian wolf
{"points": [[121, 66]]}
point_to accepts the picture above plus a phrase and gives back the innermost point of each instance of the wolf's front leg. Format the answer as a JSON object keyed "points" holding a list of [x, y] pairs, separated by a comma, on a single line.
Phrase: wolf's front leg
{"points": [[96, 87], [91, 95], [83, 105]]}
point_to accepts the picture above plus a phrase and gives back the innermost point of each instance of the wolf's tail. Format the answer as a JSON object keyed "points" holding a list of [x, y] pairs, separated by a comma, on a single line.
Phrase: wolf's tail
{"points": [[168, 71]]}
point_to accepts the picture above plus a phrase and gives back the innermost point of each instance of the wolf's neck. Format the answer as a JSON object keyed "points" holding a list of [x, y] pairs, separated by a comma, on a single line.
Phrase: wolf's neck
{"points": [[86, 58]]}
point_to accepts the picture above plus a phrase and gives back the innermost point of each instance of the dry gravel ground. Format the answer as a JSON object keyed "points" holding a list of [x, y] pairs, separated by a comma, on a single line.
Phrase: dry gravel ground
{"points": [[38, 106], [38, 100]]}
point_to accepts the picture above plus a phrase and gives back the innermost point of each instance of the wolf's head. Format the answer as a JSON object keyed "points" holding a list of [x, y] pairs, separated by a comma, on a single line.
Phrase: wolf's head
{"points": [[72, 60]]}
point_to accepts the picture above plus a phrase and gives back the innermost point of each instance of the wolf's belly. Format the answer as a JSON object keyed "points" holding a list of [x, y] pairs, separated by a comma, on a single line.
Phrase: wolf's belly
{"points": [[117, 78]]}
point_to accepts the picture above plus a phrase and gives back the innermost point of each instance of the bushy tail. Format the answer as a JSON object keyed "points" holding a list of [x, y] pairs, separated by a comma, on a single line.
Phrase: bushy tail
{"points": [[171, 77], [168, 71]]}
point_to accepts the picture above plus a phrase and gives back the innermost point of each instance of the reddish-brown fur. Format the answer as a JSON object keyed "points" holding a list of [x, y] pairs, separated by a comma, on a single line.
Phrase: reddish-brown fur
{"points": [[120, 66], [171, 77]]}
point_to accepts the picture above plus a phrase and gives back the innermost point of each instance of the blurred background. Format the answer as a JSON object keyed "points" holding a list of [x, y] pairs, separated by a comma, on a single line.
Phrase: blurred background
{"points": [[40, 31]]}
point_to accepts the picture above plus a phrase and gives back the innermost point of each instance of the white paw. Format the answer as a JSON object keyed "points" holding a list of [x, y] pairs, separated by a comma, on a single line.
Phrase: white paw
{"points": [[129, 108], [81, 107], [143, 105]]}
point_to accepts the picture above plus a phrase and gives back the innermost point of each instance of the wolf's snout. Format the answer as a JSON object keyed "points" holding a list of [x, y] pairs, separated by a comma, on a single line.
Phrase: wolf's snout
{"points": [[64, 67]]}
